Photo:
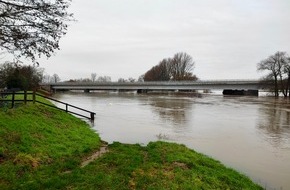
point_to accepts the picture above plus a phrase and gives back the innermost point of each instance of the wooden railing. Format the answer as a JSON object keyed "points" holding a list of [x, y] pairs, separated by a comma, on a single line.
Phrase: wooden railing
{"points": [[10, 97]]}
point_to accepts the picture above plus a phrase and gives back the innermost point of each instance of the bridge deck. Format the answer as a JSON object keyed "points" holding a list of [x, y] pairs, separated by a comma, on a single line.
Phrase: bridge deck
{"points": [[176, 85]]}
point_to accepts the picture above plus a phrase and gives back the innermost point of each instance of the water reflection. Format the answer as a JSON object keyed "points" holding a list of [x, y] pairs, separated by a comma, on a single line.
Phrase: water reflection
{"points": [[274, 122], [173, 110]]}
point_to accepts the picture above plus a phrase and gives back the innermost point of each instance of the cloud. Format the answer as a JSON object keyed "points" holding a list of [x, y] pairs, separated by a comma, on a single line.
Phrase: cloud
{"points": [[126, 38]]}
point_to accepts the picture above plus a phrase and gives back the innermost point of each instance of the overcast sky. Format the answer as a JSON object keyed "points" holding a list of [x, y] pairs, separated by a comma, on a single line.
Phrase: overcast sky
{"points": [[125, 38]]}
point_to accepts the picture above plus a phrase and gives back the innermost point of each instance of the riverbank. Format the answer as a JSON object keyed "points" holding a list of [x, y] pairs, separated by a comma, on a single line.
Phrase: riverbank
{"points": [[41, 148]]}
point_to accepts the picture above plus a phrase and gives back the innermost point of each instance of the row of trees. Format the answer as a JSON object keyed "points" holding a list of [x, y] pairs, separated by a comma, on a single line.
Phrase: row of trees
{"points": [[17, 75], [278, 67], [175, 69], [50, 78], [94, 78], [24, 77]]}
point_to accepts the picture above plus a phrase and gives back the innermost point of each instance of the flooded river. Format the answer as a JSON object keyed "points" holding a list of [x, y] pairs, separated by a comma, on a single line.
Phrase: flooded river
{"points": [[249, 134]]}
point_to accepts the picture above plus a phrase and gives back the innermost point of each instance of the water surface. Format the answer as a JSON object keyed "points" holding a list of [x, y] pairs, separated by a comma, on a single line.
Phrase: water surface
{"points": [[250, 134]]}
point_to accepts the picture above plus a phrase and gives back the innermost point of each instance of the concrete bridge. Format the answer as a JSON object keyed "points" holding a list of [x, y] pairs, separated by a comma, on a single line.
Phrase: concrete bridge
{"points": [[158, 86]]}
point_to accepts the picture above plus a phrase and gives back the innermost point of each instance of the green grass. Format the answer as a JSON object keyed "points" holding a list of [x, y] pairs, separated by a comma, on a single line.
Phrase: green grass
{"points": [[159, 165], [6, 105], [39, 144]]}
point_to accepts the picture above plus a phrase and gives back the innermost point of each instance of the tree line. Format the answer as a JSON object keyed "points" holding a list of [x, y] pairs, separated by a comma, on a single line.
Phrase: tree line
{"points": [[16, 75], [177, 68], [278, 67]]}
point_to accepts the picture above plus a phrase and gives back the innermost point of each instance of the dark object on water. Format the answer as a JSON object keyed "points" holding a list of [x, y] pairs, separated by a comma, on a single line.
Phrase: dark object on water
{"points": [[241, 92]]}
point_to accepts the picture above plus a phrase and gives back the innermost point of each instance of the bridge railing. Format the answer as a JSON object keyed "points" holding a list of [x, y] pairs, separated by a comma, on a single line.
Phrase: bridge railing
{"points": [[152, 82], [159, 85], [11, 97]]}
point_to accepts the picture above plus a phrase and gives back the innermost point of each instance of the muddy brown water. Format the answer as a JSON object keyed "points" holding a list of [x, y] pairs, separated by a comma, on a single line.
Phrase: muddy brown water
{"points": [[249, 134]]}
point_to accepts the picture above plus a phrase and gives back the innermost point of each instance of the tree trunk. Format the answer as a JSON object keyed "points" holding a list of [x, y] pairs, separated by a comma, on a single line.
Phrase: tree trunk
{"points": [[282, 86], [288, 84], [276, 86]]}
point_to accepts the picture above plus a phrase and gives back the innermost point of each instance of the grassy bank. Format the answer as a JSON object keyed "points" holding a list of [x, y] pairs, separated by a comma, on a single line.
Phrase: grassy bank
{"points": [[39, 145]]}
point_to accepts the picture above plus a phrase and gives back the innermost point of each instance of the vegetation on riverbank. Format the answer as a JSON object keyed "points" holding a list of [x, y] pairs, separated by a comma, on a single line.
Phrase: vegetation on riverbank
{"points": [[43, 148]]}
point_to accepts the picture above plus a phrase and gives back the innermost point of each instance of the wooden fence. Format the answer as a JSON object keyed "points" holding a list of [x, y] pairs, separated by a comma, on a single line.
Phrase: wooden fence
{"points": [[10, 97]]}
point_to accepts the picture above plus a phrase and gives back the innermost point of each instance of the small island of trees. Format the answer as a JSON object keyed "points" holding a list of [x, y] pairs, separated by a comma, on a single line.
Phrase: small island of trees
{"points": [[177, 68]]}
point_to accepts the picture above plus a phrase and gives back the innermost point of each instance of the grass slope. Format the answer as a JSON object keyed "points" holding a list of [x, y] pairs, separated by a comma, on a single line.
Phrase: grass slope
{"points": [[39, 144], [159, 165]]}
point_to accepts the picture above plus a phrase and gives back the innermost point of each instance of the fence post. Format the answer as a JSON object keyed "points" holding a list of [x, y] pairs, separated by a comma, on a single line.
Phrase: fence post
{"points": [[25, 96], [33, 96], [92, 116], [66, 107], [13, 99]]}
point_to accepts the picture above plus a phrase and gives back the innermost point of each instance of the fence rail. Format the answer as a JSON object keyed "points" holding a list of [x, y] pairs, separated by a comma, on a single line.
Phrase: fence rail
{"points": [[4, 95]]}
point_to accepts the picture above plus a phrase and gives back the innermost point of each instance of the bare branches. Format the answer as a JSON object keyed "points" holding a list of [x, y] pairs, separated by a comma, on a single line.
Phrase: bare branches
{"points": [[177, 68], [32, 28], [181, 65], [279, 67]]}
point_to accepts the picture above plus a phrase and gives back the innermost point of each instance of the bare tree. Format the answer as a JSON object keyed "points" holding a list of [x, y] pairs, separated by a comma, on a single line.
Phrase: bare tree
{"points": [[165, 69], [84, 80], [55, 78], [274, 64], [141, 78], [160, 72], [93, 77], [181, 65], [30, 28], [130, 79], [177, 68], [153, 74], [286, 71], [46, 78], [104, 79], [121, 80]]}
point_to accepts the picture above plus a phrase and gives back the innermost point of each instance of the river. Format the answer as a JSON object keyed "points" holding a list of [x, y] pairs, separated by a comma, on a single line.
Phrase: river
{"points": [[249, 134]]}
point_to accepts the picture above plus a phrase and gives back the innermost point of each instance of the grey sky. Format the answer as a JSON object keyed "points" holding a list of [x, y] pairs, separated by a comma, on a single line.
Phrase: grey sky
{"points": [[125, 38]]}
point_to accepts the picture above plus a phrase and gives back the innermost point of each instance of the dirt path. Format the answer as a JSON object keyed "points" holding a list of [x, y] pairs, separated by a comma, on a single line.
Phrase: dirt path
{"points": [[104, 149]]}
